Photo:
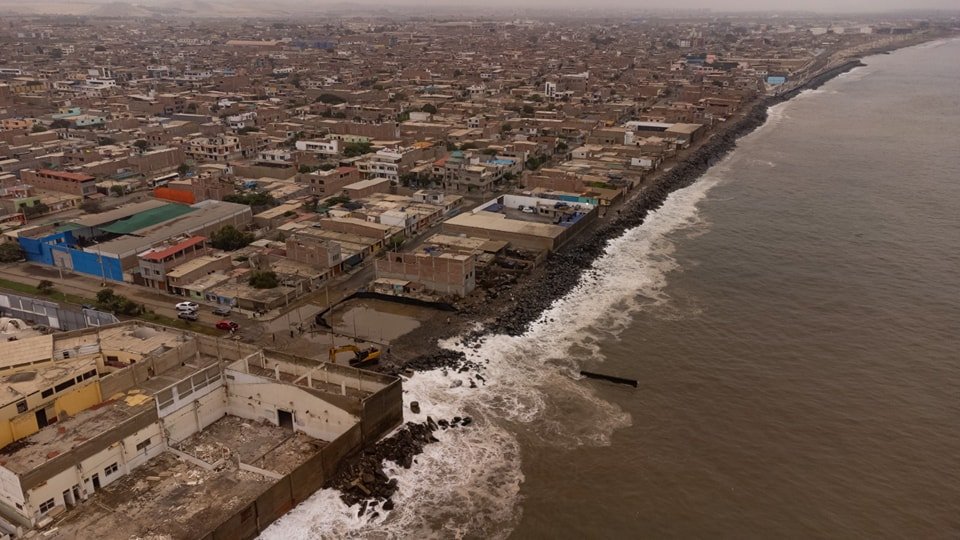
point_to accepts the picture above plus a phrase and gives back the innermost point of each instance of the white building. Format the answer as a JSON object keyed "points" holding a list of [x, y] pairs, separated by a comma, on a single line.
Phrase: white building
{"points": [[324, 147]]}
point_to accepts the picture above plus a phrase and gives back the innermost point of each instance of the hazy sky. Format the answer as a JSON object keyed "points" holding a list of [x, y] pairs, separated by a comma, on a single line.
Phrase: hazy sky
{"points": [[717, 5]]}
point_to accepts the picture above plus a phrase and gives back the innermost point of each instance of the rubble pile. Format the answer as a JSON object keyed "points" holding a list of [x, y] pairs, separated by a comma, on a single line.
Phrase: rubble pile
{"points": [[362, 480]]}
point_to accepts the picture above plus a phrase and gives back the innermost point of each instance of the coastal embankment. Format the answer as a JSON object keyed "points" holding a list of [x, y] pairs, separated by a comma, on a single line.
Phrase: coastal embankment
{"points": [[512, 308], [520, 304]]}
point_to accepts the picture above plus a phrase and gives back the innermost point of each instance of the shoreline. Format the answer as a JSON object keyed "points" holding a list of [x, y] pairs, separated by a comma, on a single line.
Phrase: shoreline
{"points": [[517, 305]]}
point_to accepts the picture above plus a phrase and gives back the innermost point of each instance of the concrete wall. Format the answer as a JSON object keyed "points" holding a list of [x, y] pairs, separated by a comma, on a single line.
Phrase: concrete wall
{"points": [[78, 468], [259, 399], [439, 274], [290, 490], [382, 412], [194, 417], [144, 368]]}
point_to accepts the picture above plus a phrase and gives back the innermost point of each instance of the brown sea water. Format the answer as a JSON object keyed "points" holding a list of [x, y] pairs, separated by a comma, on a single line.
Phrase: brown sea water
{"points": [[800, 370]]}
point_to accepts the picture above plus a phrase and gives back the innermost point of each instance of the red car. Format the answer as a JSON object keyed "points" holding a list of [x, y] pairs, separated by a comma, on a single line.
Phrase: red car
{"points": [[228, 325]]}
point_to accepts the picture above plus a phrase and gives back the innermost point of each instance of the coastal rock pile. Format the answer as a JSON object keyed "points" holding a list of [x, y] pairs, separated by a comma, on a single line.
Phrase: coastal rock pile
{"points": [[440, 359], [362, 480]]}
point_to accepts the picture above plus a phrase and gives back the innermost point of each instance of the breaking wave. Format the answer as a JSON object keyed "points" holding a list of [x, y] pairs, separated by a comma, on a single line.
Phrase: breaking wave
{"points": [[469, 484]]}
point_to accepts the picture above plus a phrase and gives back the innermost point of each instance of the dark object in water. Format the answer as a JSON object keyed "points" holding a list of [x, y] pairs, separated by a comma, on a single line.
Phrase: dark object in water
{"points": [[611, 378]]}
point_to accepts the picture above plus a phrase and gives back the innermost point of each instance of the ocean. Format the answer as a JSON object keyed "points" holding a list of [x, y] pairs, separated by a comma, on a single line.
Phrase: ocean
{"points": [[793, 319]]}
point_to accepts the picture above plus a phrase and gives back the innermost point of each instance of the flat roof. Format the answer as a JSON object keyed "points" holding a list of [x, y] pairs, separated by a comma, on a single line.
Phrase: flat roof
{"points": [[193, 264], [499, 222], [160, 254], [23, 382], [76, 177], [366, 183], [53, 441], [26, 350], [168, 497]]}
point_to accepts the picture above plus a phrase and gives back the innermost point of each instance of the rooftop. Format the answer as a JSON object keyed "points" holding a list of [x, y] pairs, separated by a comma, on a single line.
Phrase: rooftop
{"points": [[172, 498], [76, 177], [46, 445]]}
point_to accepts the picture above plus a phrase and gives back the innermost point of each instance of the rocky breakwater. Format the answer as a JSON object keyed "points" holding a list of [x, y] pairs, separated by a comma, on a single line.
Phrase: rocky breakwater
{"points": [[564, 269], [362, 480]]}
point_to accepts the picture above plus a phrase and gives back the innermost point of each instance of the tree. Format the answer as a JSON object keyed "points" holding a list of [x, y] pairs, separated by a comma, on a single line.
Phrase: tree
{"points": [[38, 209], [99, 48], [354, 149], [338, 199], [506, 128], [252, 198], [37, 128], [90, 206], [118, 190], [141, 145], [457, 73], [533, 163], [305, 169], [45, 286], [330, 99], [107, 300], [429, 108], [264, 280], [183, 169], [60, 123], [528, 110], [228, 238], [10, 252]]}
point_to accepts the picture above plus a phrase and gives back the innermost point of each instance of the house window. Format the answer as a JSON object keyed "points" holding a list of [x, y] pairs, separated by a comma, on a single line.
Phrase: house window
{"points": [[143, 445], [46, 506], [111, 469], [22, 406]]}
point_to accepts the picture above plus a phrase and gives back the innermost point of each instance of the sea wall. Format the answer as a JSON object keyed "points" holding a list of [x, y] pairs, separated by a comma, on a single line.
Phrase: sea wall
{"points": [[563, 269]]}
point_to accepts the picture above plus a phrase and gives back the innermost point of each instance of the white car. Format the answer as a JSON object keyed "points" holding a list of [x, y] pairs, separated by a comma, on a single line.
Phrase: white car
{"points": [[188, 306]]}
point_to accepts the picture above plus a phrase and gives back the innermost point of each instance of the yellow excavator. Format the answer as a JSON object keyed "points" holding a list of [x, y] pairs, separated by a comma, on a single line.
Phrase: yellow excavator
{"points": [[361, 357]]}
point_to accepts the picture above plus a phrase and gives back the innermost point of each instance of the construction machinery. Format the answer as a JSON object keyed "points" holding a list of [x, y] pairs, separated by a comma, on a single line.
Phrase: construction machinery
{"points": [[361, 357]]}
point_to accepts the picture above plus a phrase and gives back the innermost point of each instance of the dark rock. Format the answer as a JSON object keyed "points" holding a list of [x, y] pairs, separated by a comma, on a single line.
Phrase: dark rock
{"points": [[415, 407], [388, 505]]}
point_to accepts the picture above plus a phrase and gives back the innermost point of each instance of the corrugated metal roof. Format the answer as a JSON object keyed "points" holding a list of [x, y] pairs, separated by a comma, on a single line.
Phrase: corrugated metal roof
{"points": [[148, 218]]}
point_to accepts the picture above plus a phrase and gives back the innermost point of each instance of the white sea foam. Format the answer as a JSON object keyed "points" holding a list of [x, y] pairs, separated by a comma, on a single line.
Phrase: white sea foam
{"points": [[468, 484]]}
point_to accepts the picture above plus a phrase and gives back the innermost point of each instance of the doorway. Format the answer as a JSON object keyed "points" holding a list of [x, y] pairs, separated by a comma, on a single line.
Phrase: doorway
{"points": [[285, 419], [96, 481], [42, 418]]}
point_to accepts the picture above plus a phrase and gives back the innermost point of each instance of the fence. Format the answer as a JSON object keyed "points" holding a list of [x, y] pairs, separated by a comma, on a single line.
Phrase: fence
{"points": [[51, 314]]}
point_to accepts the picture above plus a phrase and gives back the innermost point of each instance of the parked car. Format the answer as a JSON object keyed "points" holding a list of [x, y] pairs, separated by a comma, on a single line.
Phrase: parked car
{"points": [[223, 311], [228, 325], [188, 306], [188, 315]]}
